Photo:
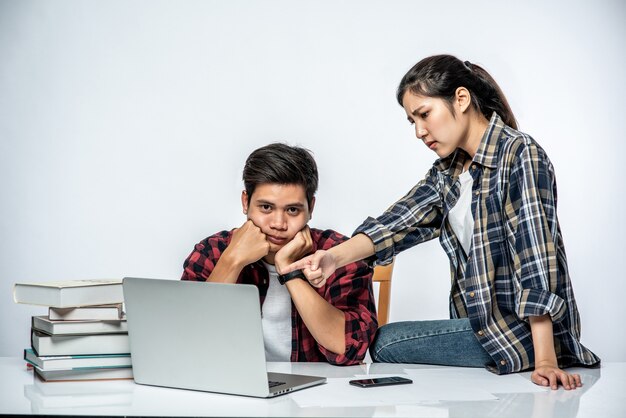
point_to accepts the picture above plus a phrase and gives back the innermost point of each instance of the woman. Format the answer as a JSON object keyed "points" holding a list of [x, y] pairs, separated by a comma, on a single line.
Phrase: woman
{"points": [[491, 200]]}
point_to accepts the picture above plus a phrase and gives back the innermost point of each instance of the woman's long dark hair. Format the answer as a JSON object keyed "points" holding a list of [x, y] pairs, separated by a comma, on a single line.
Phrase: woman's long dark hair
{"points": [[440, 76]]}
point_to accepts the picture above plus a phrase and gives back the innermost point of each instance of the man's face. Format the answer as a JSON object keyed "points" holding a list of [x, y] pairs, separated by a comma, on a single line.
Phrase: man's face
{"points": [[280, 210]]}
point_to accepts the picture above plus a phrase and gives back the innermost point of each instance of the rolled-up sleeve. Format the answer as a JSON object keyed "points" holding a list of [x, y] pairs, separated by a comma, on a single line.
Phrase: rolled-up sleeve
{"points": [[534, 226], [413, 219]]}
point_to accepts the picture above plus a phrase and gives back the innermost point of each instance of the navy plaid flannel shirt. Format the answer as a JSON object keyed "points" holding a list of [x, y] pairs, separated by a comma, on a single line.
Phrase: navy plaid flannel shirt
{"points": [[516, 267]]}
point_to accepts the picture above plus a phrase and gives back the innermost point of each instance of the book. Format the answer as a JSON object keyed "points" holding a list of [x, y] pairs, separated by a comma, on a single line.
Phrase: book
{"points": [[72, 345], [85, 374], [70, 293], [79, 389], [47, 363], [86, 313], [43, 324]]}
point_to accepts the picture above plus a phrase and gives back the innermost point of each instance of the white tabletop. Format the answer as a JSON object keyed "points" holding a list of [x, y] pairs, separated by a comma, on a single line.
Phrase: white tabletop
{"points": [[601, 395]]}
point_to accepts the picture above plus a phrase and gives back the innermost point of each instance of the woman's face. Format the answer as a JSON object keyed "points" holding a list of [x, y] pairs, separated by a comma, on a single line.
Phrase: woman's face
{"points": [[434, 122]]}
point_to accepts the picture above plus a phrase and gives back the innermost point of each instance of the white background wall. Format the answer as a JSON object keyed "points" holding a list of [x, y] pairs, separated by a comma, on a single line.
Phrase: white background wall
{"points": [[124, 126]]}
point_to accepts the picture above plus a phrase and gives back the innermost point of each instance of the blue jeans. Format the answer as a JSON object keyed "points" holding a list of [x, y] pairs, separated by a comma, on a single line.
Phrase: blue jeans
{"points": [[448, 342]]}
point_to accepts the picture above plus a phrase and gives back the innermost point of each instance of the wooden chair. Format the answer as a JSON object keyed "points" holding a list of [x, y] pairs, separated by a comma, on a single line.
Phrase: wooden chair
{"points": [[382, 275]]}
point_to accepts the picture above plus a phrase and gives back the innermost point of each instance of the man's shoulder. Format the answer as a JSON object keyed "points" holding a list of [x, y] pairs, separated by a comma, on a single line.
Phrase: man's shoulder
{"points": [[219, 240], [327, 238]]}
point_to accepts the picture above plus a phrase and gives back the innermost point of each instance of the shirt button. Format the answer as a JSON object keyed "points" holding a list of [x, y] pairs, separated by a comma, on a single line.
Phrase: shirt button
{"points": [[503, 362], [471, 294], [481, 333], [473, 166], [477, 192]]}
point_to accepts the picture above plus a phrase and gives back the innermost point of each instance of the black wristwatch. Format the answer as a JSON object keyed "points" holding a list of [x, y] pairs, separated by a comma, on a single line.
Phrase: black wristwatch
{"points": [[296, 274]]}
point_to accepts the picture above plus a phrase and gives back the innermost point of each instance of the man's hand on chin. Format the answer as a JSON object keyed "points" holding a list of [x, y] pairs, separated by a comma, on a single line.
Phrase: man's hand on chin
{"points": [[247, 245], [294, 250]]}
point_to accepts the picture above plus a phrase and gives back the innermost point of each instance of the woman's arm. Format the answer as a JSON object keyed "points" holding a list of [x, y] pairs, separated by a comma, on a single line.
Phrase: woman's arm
{"points": [[547, 371], [413, 219], [356, 248], [322, 264], [537, 269]]}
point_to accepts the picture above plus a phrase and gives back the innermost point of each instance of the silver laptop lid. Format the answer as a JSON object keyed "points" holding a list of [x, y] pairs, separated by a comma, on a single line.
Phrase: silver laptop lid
{"points": [[170, 341]]}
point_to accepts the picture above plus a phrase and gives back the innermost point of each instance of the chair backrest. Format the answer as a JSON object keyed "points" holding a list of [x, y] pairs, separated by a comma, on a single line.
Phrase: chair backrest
{"points": [[382, 275]]}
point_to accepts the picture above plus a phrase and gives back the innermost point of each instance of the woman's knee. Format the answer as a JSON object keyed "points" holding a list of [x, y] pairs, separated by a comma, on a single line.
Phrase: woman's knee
{"points": [[383, 348]]}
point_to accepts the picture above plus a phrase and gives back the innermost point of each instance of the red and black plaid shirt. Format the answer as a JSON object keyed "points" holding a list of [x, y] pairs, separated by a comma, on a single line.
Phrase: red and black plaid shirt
{"points": [[349, 290]]}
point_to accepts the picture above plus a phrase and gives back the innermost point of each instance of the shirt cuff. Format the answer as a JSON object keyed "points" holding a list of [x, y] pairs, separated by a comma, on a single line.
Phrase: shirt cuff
{"points": [[538, 302], [381, 237]]}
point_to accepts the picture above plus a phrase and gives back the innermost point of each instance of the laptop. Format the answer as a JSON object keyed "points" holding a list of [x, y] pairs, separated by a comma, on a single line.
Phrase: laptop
{"points": [[202, 336]]}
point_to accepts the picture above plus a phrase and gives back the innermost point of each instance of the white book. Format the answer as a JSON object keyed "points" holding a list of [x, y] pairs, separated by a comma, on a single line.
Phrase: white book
{"points": [[106, 312], [42, 323], [69, 293], [47, 363], [78, 389], [85, 374], [70, 345]]}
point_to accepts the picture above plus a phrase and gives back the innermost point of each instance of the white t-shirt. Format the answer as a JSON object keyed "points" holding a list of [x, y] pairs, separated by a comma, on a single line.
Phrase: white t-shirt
{"points": [[460, 216], [276, 319]]}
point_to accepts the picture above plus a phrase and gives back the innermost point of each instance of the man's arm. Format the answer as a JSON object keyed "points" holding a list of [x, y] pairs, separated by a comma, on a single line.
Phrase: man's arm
{"points": [[211, 262], [341, 316], [326, 323], [350, 291], [247, 245], [226, 270]]}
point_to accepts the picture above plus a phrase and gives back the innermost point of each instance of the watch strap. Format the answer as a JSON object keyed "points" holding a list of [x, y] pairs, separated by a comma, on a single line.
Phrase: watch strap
{"points": [[296, 274]]}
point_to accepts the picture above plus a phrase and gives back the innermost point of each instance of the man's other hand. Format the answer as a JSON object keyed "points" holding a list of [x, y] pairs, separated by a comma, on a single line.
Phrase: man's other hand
{"points": [[294, 250]]}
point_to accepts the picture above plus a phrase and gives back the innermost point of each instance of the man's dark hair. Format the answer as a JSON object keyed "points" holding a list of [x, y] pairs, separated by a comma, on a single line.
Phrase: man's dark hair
{"points": [[281, 164]]}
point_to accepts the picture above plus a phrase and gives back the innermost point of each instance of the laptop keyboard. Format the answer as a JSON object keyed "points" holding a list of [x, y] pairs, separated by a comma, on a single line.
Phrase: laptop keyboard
{"points": [[274, 383]]}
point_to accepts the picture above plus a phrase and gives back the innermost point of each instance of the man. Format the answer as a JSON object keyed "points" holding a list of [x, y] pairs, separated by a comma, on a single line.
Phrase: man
{"points": [[335, 323]]}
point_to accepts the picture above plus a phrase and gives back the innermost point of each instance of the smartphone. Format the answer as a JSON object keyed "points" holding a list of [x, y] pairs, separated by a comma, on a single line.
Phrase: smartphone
{"points": [[380, 381]]}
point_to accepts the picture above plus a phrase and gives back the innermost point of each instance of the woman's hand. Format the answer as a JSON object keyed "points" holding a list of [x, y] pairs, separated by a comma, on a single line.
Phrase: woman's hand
{"points": [[317, 267], [550, 375], [547, 372]]}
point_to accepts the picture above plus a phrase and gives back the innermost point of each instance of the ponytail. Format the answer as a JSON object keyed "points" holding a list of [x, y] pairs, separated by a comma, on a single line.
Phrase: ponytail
{"points": [[440, 76]]}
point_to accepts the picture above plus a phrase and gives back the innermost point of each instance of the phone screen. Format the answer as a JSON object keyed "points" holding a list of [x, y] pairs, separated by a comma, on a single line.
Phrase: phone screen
{"points": [[380, 381]]}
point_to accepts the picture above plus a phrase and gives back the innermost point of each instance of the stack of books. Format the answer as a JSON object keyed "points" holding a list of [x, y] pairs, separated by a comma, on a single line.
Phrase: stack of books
{"points": [[84, 336]]}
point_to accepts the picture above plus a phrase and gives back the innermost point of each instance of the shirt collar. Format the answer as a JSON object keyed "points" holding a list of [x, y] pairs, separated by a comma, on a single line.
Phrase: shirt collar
{"points": [[486, 154]]}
